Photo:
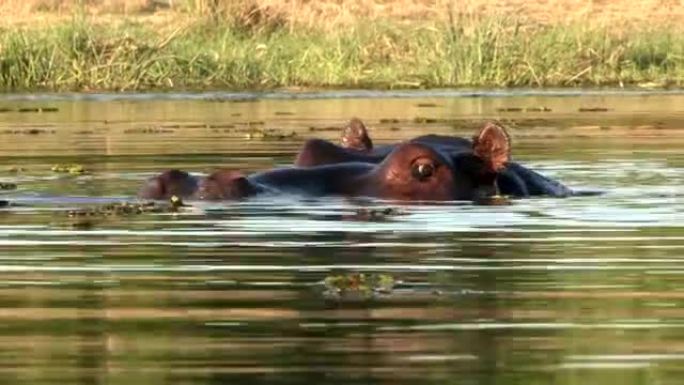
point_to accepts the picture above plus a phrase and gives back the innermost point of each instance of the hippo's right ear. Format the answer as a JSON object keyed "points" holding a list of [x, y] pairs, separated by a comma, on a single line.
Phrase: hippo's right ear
{"points": [[493, 146]]}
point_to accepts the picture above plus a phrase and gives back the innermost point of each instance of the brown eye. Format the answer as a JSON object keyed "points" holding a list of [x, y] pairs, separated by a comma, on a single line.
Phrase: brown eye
{"points": [[422, 170]]}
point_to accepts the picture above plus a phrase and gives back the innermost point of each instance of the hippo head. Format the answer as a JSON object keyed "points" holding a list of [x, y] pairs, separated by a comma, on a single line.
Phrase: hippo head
{"points": [[225, 184], [355, 136], [413, 171], [169, 183]]}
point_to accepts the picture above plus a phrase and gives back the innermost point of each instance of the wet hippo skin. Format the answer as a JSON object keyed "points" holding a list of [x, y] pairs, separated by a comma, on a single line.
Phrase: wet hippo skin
{"points": [[412, 171], [169, 183], [491, 145]]}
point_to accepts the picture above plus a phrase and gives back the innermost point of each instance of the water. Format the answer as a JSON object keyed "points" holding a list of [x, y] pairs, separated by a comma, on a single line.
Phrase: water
{"points": [[584, 290]]}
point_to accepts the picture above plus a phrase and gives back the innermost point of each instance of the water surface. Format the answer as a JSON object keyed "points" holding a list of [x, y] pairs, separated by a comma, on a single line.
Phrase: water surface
{"points": [[583, 290]]}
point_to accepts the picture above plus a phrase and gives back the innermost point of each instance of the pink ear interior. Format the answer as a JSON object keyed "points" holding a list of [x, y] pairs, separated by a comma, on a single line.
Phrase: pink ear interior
{"points": [[493, 145]]}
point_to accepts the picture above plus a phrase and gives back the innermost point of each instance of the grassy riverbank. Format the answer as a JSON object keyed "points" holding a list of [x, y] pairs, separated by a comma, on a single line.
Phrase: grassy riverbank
{"points": [[260, 47]]}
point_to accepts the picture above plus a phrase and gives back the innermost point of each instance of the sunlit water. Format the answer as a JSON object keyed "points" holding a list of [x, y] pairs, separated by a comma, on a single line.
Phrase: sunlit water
{"points": [[584, 290]]}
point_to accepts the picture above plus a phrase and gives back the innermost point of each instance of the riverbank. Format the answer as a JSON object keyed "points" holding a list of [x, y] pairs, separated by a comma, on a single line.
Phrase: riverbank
{"points": [[260, 48]]}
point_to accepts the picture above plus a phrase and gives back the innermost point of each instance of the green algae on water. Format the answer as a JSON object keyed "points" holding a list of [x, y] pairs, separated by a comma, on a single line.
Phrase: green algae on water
{"points": [[73, 169]]}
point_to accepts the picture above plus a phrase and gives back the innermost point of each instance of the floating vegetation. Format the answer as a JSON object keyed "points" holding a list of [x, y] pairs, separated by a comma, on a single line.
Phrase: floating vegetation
{"points": [[175, 203], [188, 125], [74, 169], [148, 130], [128, 209], [216, 126], [427, 105], [526, 109], [327, 128], [5, 110], [495, 200], [389, 120], [284, 113], [83, 224], [592, 109], [15, 169], [537, 109], [270, 134], [8, 186], [115, 209], [36, 109], [28, 131], [422, 119], [358, 285], [374, 215]]}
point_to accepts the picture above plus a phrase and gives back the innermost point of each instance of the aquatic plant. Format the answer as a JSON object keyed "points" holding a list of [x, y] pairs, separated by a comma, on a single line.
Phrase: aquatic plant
{"points": [[374, 214], [128, 208], [8, 186], [358, 284], [74, 169], [270, 134]]}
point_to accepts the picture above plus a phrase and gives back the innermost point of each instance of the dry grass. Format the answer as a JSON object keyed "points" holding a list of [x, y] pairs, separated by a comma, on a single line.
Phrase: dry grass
{"points": [[335, 14]]}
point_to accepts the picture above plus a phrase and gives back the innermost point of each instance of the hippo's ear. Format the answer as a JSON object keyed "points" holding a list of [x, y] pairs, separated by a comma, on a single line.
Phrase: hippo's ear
{"points": [[355, 136], [493, 145]]}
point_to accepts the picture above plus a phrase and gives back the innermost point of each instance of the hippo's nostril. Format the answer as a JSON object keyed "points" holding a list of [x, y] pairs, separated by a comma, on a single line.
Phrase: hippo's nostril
{"points": [[423, 170]]}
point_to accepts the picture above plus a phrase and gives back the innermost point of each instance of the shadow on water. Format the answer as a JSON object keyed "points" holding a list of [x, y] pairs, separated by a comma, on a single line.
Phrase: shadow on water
{"points": [[575, 291]]}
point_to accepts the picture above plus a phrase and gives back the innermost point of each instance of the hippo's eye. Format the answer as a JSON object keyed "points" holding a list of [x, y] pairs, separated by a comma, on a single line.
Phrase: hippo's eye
{"points": [[422, 170]]}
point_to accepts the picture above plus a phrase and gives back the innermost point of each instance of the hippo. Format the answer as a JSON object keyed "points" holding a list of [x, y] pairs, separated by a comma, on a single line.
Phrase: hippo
{"points": [[490, 147], [410, 171]]}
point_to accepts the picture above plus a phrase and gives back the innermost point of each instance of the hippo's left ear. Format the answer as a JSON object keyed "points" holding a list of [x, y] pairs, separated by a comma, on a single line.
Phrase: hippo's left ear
{"points": [[493, 145], [355, 136]]}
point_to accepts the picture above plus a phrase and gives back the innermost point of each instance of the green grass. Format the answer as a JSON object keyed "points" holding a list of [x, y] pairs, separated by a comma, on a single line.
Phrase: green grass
{"points": [[80, 55]]}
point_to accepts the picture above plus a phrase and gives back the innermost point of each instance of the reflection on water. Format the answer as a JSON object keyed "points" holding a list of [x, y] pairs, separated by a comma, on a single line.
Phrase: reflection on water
{"points": [[583, 290]]}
